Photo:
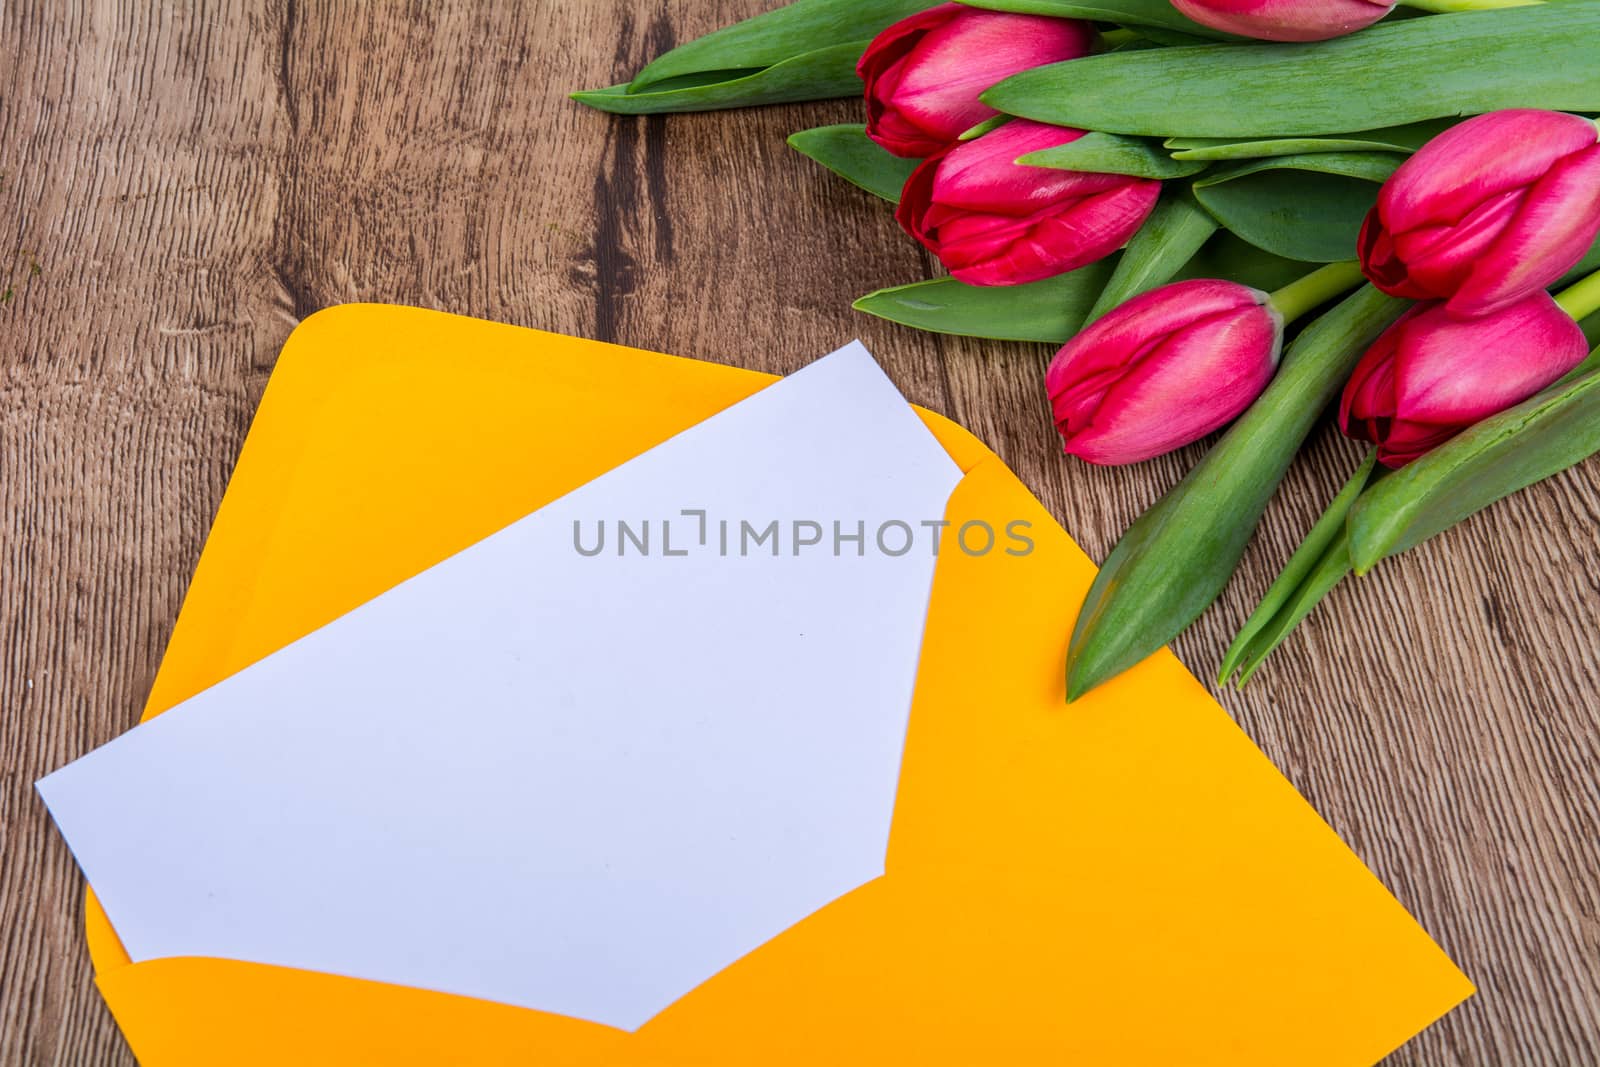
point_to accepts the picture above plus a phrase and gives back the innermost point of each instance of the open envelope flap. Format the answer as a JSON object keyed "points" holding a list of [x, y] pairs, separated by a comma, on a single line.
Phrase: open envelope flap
{"points": [[1124, 881]]}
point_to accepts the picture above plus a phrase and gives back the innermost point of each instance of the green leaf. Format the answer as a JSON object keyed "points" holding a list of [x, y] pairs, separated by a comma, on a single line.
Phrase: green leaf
{"points": [[1158, 13], [819, 75], [1168, 240], [1286, 602], [1323, 573], [1307, 207], [1493, 459], [771, 38], [1107, 153], [1406, 138], [847, 152], [1368, 166], [1050, 311], [1228, 256], [1177, 556], [1389, 75]]}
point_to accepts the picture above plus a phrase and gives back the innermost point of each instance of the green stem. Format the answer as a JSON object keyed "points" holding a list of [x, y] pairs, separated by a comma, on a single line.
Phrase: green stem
{"points": [[1315, 289], [1117, 38], [1582, 299], [1442, 7]]}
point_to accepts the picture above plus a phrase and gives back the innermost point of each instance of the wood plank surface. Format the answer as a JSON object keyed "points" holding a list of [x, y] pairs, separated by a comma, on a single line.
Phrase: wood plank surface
{"points": [[193, 179]]}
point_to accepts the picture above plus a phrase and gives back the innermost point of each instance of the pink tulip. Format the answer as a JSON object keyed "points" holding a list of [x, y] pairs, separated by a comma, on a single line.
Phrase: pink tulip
{"points": [[925, 72], [1163, 369], [993, 221], [1285, 20], [1487, 212], [1430, 376]]}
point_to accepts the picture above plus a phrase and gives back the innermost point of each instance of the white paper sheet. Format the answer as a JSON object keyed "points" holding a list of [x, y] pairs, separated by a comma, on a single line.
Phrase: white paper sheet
{"points": [[577, 784]]}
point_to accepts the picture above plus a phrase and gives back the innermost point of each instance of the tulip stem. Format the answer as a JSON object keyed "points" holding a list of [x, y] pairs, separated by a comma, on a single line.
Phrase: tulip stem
{"points": [[1581, 299], [1315, 289], [1445, 7]]}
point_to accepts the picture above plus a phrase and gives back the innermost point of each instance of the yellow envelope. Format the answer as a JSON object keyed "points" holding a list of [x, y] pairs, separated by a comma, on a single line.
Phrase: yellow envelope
{"points": [[1125, 881]]}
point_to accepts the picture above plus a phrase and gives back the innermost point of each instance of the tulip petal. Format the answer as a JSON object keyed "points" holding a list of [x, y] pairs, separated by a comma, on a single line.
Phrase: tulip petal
{"points": [[1091, 361], [1555, 225], [961, 230], [1285, 20], [1110, 339], [1163, 369], [1058, 242], [983, 175], [916, 197], [897, 39], [1477, 160], [1455, 372], [1439, 259], [1381, 262], [1074, 405], [896, 134], [1369, 394], [992, 221], [1403, 440], [1000, 250], [1193, 382], [924, 74], [1430, 376], [882, 67], [955, 61], [1491, 210]]}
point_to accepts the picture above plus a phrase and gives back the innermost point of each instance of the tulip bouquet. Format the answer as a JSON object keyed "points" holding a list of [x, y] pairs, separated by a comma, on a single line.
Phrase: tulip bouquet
{"points": [[1219, 219]]}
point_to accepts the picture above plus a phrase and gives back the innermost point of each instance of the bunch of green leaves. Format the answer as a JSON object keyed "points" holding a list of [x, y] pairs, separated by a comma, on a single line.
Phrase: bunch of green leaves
{"points": [[1271, 156]]}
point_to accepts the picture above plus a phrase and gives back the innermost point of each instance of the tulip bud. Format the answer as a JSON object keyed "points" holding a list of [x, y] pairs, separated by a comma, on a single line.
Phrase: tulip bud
{"points": [[924, 73], [1430, 376], [1164, 369], [1285, 20], [1487, 212], [993, 221]]}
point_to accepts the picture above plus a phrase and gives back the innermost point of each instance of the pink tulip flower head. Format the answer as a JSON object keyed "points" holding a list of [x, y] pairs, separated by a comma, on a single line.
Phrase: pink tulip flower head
{"points": [[1163, 369], [925, 72], [1430, 376], [1286, 20], [1487, 212], [993, 221]]}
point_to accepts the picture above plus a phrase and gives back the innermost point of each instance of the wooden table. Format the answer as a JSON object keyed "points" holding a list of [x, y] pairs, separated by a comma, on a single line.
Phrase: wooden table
{"points": [[191, 183]]}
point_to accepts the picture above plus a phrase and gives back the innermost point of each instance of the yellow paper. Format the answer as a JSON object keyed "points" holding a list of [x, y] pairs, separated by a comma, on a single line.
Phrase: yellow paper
{"points": [[1125, 881]]}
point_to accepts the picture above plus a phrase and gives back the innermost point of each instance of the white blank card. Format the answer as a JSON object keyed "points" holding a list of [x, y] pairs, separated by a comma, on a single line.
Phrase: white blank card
{"points": [[577, 783]]}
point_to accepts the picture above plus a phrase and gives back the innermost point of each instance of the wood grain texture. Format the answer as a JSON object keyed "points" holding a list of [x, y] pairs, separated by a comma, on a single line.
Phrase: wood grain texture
{"points": [[192, 180]]}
